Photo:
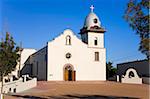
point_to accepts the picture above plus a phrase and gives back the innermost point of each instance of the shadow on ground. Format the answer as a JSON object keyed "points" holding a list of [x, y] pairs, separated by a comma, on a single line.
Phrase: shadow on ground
{"points": [[28, 97], [74, 97], [90, 97]]}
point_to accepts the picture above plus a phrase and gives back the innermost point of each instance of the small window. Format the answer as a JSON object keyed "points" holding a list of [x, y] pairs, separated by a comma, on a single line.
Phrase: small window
{"points": [[68, 40], [95, 20], [9, 89], [96, 56], [95, 41], [14, 90]]}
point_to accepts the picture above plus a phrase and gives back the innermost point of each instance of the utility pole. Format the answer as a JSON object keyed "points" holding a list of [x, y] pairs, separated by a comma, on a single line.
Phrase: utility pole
{"points": [[20, 51]]}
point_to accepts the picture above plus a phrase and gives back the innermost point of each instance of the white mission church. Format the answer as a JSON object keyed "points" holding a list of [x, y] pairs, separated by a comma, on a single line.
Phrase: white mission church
{"points": [[68, 58]]}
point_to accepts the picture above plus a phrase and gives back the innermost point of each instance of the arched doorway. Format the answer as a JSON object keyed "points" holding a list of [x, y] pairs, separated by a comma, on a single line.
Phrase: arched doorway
{"points": [[69, 73]]}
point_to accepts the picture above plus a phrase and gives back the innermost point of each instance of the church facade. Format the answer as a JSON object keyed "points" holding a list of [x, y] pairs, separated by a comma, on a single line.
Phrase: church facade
{"points": [[68, 58]]}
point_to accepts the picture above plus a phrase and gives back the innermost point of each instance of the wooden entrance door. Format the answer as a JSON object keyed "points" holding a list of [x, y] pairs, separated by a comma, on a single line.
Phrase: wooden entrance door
{"points": [[69, 74], [73, 75], [66, 75]]}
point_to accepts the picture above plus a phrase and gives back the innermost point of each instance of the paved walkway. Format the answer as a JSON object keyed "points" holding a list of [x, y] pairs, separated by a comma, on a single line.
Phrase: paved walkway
{"points": [[84, 90]]}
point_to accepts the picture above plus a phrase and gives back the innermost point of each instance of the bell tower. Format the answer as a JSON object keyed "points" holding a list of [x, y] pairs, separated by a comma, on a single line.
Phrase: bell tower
{"points": [[92, 33]]}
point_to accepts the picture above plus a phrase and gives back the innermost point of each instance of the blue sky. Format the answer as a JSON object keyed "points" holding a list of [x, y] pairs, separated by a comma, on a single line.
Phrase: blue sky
{"points": [[34, 22]]}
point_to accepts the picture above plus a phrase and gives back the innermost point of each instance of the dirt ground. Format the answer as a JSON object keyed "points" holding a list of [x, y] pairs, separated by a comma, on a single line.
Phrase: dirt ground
{"points": [[84, 90]]}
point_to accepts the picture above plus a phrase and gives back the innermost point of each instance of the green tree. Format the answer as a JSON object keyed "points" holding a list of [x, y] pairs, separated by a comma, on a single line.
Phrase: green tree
{"points": [[110, 70], [8, 56], [137, 15]]}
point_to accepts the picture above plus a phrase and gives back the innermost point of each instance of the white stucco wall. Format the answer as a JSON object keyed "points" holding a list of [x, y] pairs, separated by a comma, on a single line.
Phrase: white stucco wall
{"points": [[134, 80], [18, 85], [83, 59], [100, 38], [24, 56]]}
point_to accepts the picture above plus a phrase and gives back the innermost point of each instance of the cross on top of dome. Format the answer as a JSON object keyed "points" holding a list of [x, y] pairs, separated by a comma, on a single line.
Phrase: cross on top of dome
{"points": [[92, 8]]}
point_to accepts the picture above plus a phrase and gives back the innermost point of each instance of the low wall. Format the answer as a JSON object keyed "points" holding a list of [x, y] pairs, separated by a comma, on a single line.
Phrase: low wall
{"points": [[146, 80], [132, 80], [18, 85]]}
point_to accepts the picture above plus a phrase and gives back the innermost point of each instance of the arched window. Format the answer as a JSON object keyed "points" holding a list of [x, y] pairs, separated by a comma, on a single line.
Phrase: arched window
{"points": [[68, 40], [131, 74], [95, 41], [95, 20]]}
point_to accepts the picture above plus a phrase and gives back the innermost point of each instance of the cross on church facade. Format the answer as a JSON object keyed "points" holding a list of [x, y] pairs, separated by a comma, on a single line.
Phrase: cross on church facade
{"points": [[92, 8]]}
